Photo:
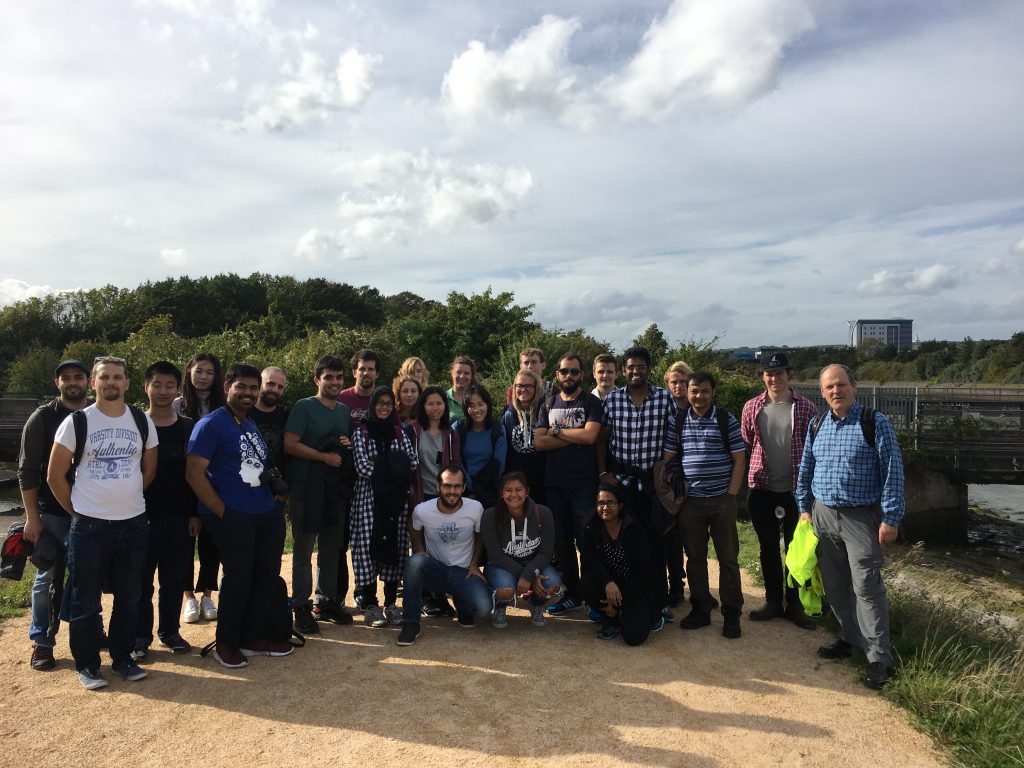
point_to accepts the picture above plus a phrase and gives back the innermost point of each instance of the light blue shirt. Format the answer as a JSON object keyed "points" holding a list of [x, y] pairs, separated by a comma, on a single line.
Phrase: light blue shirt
{"points": [[840, 469]]}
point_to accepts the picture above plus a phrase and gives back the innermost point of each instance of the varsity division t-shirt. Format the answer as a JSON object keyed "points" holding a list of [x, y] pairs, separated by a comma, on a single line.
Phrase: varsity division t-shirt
{"points": [[108, 482]]}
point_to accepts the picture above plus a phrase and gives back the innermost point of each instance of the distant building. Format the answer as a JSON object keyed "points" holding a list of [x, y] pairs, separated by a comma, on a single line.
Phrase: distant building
{"points": [[897, 332]]}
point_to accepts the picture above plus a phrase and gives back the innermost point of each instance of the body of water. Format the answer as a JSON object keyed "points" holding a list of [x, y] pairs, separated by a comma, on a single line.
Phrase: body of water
{"points": [[1004, 500]]}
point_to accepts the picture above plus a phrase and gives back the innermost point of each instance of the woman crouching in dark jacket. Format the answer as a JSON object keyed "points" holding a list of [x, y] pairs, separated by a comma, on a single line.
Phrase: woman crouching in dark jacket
{"points": [[618, 578]]}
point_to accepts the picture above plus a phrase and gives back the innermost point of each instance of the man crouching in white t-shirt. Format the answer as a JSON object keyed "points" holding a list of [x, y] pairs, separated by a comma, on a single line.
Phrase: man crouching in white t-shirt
{"points": [[109, 530], [446, 546]]}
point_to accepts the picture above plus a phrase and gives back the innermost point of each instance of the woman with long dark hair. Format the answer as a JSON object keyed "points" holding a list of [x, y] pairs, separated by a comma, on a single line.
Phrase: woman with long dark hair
{"points": [[385, 463], [519, 536], [435, 441], [483, 446], [202, 392], [623, 578]]}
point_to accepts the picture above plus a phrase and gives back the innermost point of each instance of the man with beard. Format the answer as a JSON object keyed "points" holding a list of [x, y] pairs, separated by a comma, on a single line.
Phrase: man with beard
{"points": [[632, 436], [113, 449], [271, 416], [226, 461], [312, 421], [42, 511], [446, 549], [568, 427], [365, 365]]}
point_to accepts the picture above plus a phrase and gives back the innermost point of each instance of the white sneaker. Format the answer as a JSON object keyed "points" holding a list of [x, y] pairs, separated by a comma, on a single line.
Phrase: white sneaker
{"points": [[191, 613], [208, 608]]}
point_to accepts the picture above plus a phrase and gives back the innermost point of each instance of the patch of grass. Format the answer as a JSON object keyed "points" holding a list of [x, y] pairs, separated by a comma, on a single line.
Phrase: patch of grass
{"points": [[962, 680], [16, 596], [750, 552]]}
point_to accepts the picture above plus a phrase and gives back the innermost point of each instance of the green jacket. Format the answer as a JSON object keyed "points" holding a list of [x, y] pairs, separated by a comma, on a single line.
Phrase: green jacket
{"points": [[802, 565]]}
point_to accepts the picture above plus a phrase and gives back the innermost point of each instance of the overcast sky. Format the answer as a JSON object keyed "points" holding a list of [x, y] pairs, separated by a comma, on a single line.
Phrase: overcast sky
{"points": [[760, 170]]}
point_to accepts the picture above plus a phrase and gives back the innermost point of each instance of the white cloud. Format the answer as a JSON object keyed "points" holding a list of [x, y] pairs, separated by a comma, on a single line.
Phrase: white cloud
{"points": [[925, 281], [194, 8], [228, 86], [725, 52], [399, 194], [312, 92], [16, 290], [1018, 247], [122, 220], [994, 266], [160, 34], [319, 246], [176, 257], [532, 73]]}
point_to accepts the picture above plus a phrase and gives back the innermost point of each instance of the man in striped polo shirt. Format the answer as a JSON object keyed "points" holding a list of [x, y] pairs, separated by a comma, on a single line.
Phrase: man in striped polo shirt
{"points": [[706, 441]]}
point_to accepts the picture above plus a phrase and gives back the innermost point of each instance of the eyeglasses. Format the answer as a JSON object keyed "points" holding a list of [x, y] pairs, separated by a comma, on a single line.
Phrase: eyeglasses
{"points": [[384, 404], [606, 504], [570, 371], [526, 386]]}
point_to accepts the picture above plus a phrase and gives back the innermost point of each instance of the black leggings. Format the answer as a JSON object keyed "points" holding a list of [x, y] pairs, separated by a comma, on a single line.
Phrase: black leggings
{"points": [[635, 615]]}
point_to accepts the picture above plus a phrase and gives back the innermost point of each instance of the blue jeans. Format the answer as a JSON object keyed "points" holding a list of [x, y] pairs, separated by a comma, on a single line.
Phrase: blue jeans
{"points": [[423, 572], [499, 578], [104, 553], [572, 508], [46, 595]]}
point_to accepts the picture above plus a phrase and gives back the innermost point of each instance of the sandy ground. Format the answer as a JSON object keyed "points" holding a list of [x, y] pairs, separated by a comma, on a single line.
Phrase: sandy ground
{"points": [[555, 696]]}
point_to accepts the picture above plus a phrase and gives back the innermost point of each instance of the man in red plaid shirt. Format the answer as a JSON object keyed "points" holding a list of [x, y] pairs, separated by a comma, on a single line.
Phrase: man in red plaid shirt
{"points": [[774, 426]]}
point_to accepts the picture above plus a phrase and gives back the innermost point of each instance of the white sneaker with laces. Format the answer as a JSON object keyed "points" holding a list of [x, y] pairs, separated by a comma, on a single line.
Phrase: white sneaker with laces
{"points": [[208, 608], [190, 615]]}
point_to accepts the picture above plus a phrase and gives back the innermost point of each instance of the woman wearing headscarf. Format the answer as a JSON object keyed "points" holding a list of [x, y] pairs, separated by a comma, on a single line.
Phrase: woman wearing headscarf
{"points": [[385, 462]]}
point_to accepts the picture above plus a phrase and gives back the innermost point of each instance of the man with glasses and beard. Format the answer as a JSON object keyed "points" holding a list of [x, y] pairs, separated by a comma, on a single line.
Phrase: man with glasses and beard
{"points": [[42, 511], [568, 427]]}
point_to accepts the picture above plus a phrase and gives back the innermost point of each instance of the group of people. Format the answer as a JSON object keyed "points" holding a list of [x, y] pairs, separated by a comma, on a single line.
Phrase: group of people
{"points": [[605, 499]]}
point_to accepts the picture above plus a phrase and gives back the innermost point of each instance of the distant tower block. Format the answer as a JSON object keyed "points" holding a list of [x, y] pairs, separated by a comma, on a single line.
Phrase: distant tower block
{"points": [[897, 332]]}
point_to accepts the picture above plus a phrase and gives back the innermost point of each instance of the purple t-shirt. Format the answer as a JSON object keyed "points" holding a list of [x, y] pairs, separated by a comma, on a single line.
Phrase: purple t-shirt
{"points": [[357, 404]]}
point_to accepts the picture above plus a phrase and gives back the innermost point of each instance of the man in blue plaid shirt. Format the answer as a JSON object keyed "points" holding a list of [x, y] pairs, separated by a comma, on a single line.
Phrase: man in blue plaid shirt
{"points": [[857, 494]]}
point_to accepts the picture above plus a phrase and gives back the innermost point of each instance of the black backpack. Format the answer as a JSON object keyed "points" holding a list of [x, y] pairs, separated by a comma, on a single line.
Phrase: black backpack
{"points": [[867, 425], [81, 425], [279, 619]]}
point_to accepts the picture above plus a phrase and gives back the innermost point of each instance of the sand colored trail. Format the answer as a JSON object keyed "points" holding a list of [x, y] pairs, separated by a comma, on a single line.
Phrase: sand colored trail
{"points": [[480, 697]]}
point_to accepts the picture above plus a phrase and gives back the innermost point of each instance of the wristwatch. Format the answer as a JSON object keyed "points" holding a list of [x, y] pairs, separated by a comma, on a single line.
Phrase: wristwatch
{"points": [[556, 430]]}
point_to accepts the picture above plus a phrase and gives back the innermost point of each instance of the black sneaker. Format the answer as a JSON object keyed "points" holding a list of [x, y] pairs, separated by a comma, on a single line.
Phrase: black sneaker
{"points": [[877, 675], [42, 658], [771, 610], [410, 631], [176, 643], [731, 627], [328, 610], [840, 649], [140, 651], [466, 619], [129, 670], [305, 624], [695, 619]]}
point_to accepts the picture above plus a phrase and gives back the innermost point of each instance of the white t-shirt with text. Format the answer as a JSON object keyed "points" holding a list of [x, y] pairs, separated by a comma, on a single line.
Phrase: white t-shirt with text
{"points": [[108, 482], [449, 538]]}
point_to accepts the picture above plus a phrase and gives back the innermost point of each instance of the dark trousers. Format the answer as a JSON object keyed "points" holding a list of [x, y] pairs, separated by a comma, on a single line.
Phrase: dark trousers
{"points": [[635, 615], [209, 561], [250, 549], [571, 508], [104, 553], [640, 504], [714, 518], [170, 553], [769, 527]]}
